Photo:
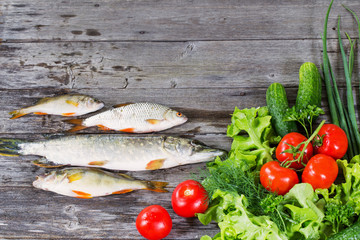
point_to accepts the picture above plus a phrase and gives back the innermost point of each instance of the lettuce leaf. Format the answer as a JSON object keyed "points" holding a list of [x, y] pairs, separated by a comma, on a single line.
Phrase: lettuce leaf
{"points": [[351, 187], [343, 200], [236, 222], [301, 205], [306, 210], [252, 148]]}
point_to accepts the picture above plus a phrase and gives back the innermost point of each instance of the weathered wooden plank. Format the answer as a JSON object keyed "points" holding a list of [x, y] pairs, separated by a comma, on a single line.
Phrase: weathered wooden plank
{"points": [[26, 212], [49, 216], [167, 65], [150, 20], [209, 110]]}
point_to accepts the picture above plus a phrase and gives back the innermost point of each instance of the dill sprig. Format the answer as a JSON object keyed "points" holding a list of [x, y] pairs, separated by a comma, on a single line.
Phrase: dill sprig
{"points": [[230, 177]]}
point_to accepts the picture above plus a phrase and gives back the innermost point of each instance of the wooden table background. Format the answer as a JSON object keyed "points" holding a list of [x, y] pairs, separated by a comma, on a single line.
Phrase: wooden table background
{"points": [[200, 57]]}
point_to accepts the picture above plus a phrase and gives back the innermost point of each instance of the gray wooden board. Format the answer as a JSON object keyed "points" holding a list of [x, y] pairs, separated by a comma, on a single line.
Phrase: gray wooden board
{"points": [[200, 57], [149, 20], [209, 64]]}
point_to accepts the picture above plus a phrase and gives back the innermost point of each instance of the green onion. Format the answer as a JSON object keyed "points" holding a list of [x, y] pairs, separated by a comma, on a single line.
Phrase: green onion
{"points": [[342, 111], [349, 94], [333, 110], [358, 23]]}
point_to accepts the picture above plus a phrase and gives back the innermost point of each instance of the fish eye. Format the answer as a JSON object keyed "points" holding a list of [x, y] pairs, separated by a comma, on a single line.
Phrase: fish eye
{"points": [[179, 114]]}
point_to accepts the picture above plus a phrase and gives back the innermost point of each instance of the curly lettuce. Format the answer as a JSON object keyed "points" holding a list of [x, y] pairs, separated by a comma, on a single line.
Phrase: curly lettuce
{"points": [[252, 135], [236, 222]]}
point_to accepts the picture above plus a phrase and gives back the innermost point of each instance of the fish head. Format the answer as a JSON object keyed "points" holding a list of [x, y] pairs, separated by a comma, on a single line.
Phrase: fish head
{"points": [[47, 181], [189, 151], [90, 103], [175, 117]]}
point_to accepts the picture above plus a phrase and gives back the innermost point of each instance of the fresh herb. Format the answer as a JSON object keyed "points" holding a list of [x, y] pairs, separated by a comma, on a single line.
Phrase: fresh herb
{"points": [[342, 116], [340, 215], [305, 117], [235, 221], [228, 176]]}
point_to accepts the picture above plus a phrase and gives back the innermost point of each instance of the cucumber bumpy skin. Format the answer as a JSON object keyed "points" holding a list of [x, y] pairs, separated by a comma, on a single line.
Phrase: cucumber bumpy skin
{"points": [[350, 233], [277, 103], [309, 91]]}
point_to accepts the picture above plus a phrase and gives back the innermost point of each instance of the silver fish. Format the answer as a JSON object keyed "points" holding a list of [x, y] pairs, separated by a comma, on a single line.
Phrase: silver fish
{"points": [[132, 118], [112, 151], [65, 105], [92, 182]]}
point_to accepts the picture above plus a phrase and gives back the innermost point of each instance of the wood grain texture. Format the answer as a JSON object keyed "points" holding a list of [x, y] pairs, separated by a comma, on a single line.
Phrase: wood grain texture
{"points": [[210, 64], [148, 20], [202, 58]]}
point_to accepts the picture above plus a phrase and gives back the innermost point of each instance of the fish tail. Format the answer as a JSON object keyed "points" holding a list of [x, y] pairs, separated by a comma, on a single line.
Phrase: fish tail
{"points": [[156, 186], [18, 113], [78, 124], [10, 147]]}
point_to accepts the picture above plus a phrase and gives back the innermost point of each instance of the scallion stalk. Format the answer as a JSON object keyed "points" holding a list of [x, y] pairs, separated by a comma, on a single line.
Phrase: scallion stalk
{"points": [[349, 94], [342, 111], [333, 111]]}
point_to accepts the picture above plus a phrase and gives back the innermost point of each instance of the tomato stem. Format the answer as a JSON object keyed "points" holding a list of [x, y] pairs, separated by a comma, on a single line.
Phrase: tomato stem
{"points": [[307, 142]]}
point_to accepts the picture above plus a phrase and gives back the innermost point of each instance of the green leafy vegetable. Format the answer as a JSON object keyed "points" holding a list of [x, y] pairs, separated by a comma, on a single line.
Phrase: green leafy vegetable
{"points": [[343, 200], [236, 222], [307, 211], [305, 117], [339, 215], [252, 148]]}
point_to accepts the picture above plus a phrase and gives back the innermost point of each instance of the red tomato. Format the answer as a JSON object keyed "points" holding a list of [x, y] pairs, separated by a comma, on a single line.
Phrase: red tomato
{"points": [[293, 139], [276, 178], [154, 222], [188, 198], [334, 141], [321, 171]]}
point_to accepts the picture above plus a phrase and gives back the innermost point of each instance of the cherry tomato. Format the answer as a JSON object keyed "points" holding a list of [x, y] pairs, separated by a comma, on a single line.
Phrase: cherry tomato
{"points": [[294, 139], [276, 178], [188, 198], [334, 141], [154, 222], [321, 171]]}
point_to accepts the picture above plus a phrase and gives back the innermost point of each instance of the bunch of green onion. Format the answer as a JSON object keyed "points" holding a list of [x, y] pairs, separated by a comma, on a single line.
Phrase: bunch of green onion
{"points": [[342, 115]]}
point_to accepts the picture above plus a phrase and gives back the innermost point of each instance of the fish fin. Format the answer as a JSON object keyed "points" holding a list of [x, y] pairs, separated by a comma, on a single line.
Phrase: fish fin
{"points": [[156, 186], [40, 113], [155, 164], [128, 130], [102, 127], [97, 163], [17, 113], [81, 194], [121, 105], [126, 176], [123, 191], [153, 121], [43, 100], [72, 103], [10, 147], [78, 124], [43, 162], [74, 177], [68, 114]]}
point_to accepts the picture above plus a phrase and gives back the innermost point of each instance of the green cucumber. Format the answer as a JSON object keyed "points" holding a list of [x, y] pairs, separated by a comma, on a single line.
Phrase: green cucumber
{"points": [[350, 233], [277, 104], [309, 91]]}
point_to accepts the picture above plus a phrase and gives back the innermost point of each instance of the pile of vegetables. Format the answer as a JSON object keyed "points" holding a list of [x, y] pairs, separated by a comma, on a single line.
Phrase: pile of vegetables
{"points": [[244, 209], [284, 178]]}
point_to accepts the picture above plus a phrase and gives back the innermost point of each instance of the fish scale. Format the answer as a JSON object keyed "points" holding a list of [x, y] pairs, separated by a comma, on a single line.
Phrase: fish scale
{"points": [[88, 183], [135, 118], [113, 151], [66, 105]]}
